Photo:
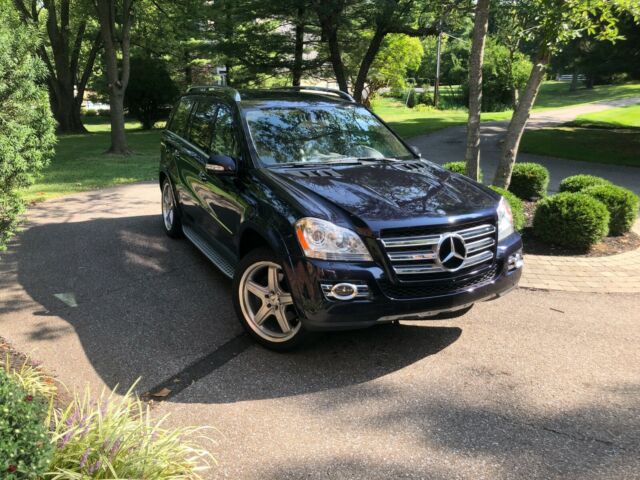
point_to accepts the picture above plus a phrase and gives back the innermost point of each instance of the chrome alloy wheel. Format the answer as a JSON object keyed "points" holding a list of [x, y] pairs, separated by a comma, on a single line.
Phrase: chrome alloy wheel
{"points": [[266, 304], [168, 206]]}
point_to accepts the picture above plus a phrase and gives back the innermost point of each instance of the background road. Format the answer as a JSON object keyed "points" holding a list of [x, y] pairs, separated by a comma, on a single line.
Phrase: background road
{"points": [[534, 385]]}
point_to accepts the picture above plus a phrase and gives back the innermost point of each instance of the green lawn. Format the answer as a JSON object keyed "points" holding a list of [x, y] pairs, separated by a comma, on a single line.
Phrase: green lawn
{"points": [[615, 147], [621, 117], [80, 163], [556, 94]]}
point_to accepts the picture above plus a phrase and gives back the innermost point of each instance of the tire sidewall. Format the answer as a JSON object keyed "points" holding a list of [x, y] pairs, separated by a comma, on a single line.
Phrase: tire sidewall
{"points": [[176, 227]]}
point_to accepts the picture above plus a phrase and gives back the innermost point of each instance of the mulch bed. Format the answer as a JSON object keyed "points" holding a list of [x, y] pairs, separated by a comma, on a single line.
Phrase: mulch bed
{"points": [[609, 246]]}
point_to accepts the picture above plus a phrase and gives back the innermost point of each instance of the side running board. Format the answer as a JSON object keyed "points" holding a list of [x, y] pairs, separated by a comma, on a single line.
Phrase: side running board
{"points": [[208, 251]]}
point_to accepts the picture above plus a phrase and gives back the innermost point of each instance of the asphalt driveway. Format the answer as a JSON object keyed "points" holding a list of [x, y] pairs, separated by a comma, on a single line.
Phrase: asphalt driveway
{"points": [[535, 385]]}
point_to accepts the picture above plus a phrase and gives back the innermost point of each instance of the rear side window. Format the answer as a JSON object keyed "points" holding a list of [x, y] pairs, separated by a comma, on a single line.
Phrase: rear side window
{"points": [[202, 124], [225, 138], [178, 124]]}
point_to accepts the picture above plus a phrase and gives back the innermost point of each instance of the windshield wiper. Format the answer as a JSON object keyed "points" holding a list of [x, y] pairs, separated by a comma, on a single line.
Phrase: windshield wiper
{"points": [[346, 161]]}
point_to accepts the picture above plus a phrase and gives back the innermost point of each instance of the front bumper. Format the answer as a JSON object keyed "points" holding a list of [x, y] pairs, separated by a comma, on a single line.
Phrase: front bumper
{"points": [[320, 313]]}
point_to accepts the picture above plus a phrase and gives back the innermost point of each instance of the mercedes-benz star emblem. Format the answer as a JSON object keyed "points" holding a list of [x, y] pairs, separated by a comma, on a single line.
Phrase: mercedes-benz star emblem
{"points": [[451, 252]]}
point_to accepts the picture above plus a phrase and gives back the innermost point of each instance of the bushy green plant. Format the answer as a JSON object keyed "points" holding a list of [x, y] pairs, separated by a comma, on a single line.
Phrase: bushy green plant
{"points": [[577, 183], [31, 379], [26, 125], [114, 437], [621, 203], [411, 99], [529, 181], [458, 167], [573, 220], [150, 91], [517, 207], [25, 446]]}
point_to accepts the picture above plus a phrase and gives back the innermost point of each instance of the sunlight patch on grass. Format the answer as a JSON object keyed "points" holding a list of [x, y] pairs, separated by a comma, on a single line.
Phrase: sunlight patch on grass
{"points": [[621, 117]]}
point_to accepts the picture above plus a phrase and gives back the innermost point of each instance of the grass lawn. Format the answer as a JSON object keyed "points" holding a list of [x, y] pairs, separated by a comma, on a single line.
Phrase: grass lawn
{"points": [[557, 95], [621, 117], [615, 147], [80, 164]]}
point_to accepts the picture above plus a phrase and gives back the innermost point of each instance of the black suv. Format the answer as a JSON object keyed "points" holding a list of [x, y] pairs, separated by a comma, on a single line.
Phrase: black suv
{"points": [[323, 217]]}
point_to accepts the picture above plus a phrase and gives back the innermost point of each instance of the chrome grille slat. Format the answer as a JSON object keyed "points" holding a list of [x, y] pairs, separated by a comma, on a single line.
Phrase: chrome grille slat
{"points": [[416, 254]]}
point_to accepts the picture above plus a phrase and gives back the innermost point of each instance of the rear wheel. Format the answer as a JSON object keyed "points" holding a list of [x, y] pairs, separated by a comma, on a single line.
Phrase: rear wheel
{"points": [[263, 301], [170, 212]]}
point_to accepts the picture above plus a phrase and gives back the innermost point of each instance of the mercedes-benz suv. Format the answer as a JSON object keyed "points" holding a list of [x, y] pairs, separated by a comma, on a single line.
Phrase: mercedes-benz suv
{"points": [[323, 217]]}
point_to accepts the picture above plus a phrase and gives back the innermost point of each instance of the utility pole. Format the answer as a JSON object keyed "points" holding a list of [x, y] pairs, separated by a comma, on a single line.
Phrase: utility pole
{"points": [[436, 85]]}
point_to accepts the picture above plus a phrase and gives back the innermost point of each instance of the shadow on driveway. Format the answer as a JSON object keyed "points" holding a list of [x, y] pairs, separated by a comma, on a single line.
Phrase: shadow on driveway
{"points": [[144, 305]]}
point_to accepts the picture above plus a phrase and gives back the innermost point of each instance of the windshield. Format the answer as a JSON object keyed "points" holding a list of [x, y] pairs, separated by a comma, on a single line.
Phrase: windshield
{"points": [[321, 134]]}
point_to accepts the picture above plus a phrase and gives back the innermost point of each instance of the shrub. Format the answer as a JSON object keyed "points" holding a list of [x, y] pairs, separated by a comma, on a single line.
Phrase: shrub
{"points": [[621, 203], [411, 99], [517, 207], [574, 220], [529, 181], [577, 183], [26, 125], [150, 89], [458, 167], [116, 437], [25, 448]]}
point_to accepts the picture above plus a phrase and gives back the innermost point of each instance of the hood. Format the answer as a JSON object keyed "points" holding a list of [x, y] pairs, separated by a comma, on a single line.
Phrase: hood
{"points": [[412, 192]]}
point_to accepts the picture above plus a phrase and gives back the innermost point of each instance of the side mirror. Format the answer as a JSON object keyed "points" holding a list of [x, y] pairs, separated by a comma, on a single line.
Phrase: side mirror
{"points": [[221, 165], [416, 151]]}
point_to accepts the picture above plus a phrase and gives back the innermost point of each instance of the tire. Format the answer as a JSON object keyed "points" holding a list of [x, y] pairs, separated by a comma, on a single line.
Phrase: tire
{"points": [[171, 220], [263, 302]]}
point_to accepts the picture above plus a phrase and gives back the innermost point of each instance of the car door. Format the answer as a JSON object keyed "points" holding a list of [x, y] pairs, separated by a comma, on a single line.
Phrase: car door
{"points": [[221, 195]]}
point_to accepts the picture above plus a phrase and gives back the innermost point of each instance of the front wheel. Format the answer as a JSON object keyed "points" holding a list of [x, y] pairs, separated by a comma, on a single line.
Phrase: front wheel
{"points": [[263, 302], [170, 212]]}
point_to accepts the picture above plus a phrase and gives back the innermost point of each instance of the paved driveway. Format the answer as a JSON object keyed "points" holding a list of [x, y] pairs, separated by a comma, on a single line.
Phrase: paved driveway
{"points": [[535, 385]]}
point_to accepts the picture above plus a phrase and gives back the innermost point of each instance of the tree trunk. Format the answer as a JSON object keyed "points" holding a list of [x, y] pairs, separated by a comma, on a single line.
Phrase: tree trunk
{"points": [[367, 60], [296, 71], [574, 80], [518, 123], [336, 60], [481, 24]]}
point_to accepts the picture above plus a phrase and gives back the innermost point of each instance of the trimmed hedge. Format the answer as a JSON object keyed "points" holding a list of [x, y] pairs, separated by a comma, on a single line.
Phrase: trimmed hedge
{"points": [[458, 167], [577, 183], [517, 207], [574, 220], [621, 203], [25, 447], [529, 181]]}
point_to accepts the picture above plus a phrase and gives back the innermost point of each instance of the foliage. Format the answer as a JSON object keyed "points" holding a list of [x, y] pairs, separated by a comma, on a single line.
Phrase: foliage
{"points": [[529, 181], [517, 207], [117, 437], [31, 379], [25, 448], [26, 125], [411, 99], [577, 183], [150, 91], [458, 167], [621, 203], [573, 220]]}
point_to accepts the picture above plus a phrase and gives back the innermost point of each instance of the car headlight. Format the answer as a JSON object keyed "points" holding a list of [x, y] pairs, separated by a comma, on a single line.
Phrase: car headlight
{"points": [[322, 239], [505, 219]]}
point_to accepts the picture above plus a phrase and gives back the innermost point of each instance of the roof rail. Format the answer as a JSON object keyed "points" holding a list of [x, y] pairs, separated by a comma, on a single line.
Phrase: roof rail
{"points": [[215, 88], [333, 91]]}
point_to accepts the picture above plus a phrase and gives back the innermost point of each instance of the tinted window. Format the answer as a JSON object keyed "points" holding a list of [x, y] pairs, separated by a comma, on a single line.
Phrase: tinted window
{"points": [[180, 116], [321, 133], [225, 140], [202, 124]]}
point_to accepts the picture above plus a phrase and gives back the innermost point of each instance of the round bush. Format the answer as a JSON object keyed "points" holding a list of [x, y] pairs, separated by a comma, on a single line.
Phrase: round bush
{"points": [[517, 207], [621, 203], [577, 183], [458, 167], [573, 220], [25, 448], [529, 181]]}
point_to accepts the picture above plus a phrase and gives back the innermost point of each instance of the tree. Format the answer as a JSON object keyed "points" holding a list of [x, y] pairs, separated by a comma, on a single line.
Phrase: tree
{"points": [[150, 90], [555, 23], [115, 19], [26, 125], [472, 155], [69, 55]]}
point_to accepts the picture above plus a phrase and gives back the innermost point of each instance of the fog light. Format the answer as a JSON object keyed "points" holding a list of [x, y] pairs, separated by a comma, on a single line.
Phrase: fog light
{"points": [[516, 261], [345, 290]]}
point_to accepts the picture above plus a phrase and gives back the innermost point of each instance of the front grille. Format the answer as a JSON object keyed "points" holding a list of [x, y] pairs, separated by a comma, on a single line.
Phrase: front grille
{"points": [[413, 253], [434, 289]]}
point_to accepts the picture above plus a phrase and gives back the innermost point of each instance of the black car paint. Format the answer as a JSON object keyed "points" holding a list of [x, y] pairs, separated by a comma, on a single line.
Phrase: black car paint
{"points": [[261, 204]]}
